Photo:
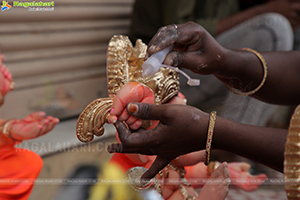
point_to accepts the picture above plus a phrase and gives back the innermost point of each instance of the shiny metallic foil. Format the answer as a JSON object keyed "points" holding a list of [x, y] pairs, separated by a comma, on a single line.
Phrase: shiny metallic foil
{"points": [[124, 64]]}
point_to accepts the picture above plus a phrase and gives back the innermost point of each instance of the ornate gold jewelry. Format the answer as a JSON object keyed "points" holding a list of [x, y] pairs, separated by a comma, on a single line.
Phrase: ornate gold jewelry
{"points": [[91, 120], [6, 131], [167, 172], [264, 63], [134, 175], [210, 132], [181, 170], [124, 64], [292, 158], [186, 195]]}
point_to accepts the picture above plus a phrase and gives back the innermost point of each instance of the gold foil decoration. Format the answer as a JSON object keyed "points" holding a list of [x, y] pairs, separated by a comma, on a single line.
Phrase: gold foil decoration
{"points": [[124, 64], [292, 158]]}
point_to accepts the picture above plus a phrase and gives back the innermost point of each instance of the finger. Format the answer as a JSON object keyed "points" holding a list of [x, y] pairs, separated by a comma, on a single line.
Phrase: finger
{"points": [[148, 111], [112, 118], [118, 148], [131, 120], [164, 37], [44, 124], [183, 60], [157, 165], [124, 115], [185, 34], [136, 125], [51, 125], [139, 139], [122, 130], [35, 116], [115, 148]]}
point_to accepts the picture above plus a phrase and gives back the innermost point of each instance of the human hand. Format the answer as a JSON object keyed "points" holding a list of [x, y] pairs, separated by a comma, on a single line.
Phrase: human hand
{"points": [[32, 126], [130, 92], [195, 48], [5, 78], [182, 129], [289, 9], [241, 177]]}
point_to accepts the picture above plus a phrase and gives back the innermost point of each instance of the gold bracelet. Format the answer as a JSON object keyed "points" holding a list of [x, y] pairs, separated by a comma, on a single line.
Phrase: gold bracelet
{"points": [[212, 120], [264, 63], [6, 131]]}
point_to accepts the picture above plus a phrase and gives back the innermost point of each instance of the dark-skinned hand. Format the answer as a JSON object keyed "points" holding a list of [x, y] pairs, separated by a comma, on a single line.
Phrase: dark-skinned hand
{"points": [[195, 48], [184, 130]]}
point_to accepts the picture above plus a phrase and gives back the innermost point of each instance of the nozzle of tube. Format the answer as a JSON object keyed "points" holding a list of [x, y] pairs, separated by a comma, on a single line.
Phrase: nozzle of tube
{"points": [[153, 64]]}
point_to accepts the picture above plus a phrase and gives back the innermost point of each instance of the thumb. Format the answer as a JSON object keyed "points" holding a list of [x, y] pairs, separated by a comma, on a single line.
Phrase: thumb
{"points": [[157, 165], [148, 111], [185, 60]]}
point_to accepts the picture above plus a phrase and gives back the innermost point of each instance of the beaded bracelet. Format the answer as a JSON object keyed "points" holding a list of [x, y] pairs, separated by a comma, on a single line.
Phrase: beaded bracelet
{"points": [[264, 63], [212, 120]]}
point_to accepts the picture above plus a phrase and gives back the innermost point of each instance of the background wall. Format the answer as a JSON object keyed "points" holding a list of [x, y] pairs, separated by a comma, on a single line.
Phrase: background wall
{"points": [[58, 58]]}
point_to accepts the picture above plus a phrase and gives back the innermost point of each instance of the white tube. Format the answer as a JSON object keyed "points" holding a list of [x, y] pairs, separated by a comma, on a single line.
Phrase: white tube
{"points": [[153, 64]]}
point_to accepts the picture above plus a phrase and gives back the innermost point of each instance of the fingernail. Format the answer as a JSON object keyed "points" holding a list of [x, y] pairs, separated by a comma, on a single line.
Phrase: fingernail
{"points": [[47, 122], [132, 108], [112, 110], [137, 125], [40, 127]]}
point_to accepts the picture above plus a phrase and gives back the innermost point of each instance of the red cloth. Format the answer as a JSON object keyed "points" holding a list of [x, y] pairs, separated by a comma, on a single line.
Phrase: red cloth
{"points": [[18, 170], [123, 161]]}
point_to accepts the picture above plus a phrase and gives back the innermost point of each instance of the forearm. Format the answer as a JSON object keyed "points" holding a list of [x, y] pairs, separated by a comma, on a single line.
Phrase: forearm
{"points": [[244, 71], [226, 23], [264, 145]]}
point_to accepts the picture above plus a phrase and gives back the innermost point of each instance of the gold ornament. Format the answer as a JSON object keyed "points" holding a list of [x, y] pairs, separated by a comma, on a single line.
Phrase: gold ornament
{"points": [[124, 64], [292, 158]]}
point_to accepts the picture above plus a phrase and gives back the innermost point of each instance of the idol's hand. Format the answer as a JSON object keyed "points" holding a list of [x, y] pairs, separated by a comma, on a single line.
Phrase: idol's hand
{"points": [[130, 92], [32, 126], [182, 129], [5, 78], [195, 48]]}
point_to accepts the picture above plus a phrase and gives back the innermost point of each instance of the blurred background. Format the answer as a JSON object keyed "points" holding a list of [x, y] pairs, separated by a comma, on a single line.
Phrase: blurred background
{"points": [[58, 62]]}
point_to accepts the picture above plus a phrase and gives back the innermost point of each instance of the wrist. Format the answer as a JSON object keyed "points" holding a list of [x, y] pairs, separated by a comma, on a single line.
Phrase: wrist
{"points": [[5, 133], [228, 64]]}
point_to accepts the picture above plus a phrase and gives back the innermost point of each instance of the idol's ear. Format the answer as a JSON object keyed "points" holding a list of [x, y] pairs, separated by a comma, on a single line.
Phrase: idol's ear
{"points": [[92, 119]]}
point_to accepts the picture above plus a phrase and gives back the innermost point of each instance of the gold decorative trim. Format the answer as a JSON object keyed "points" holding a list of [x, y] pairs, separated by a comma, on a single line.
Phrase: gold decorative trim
{"points": [[124, 64], [292, 158], [91, 120]]}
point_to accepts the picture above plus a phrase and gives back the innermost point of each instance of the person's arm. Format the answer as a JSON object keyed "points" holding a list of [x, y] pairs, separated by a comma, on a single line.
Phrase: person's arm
{"points": [[244, 71], [183, 129], [198, 51], [264, 145], [285, 8]]}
